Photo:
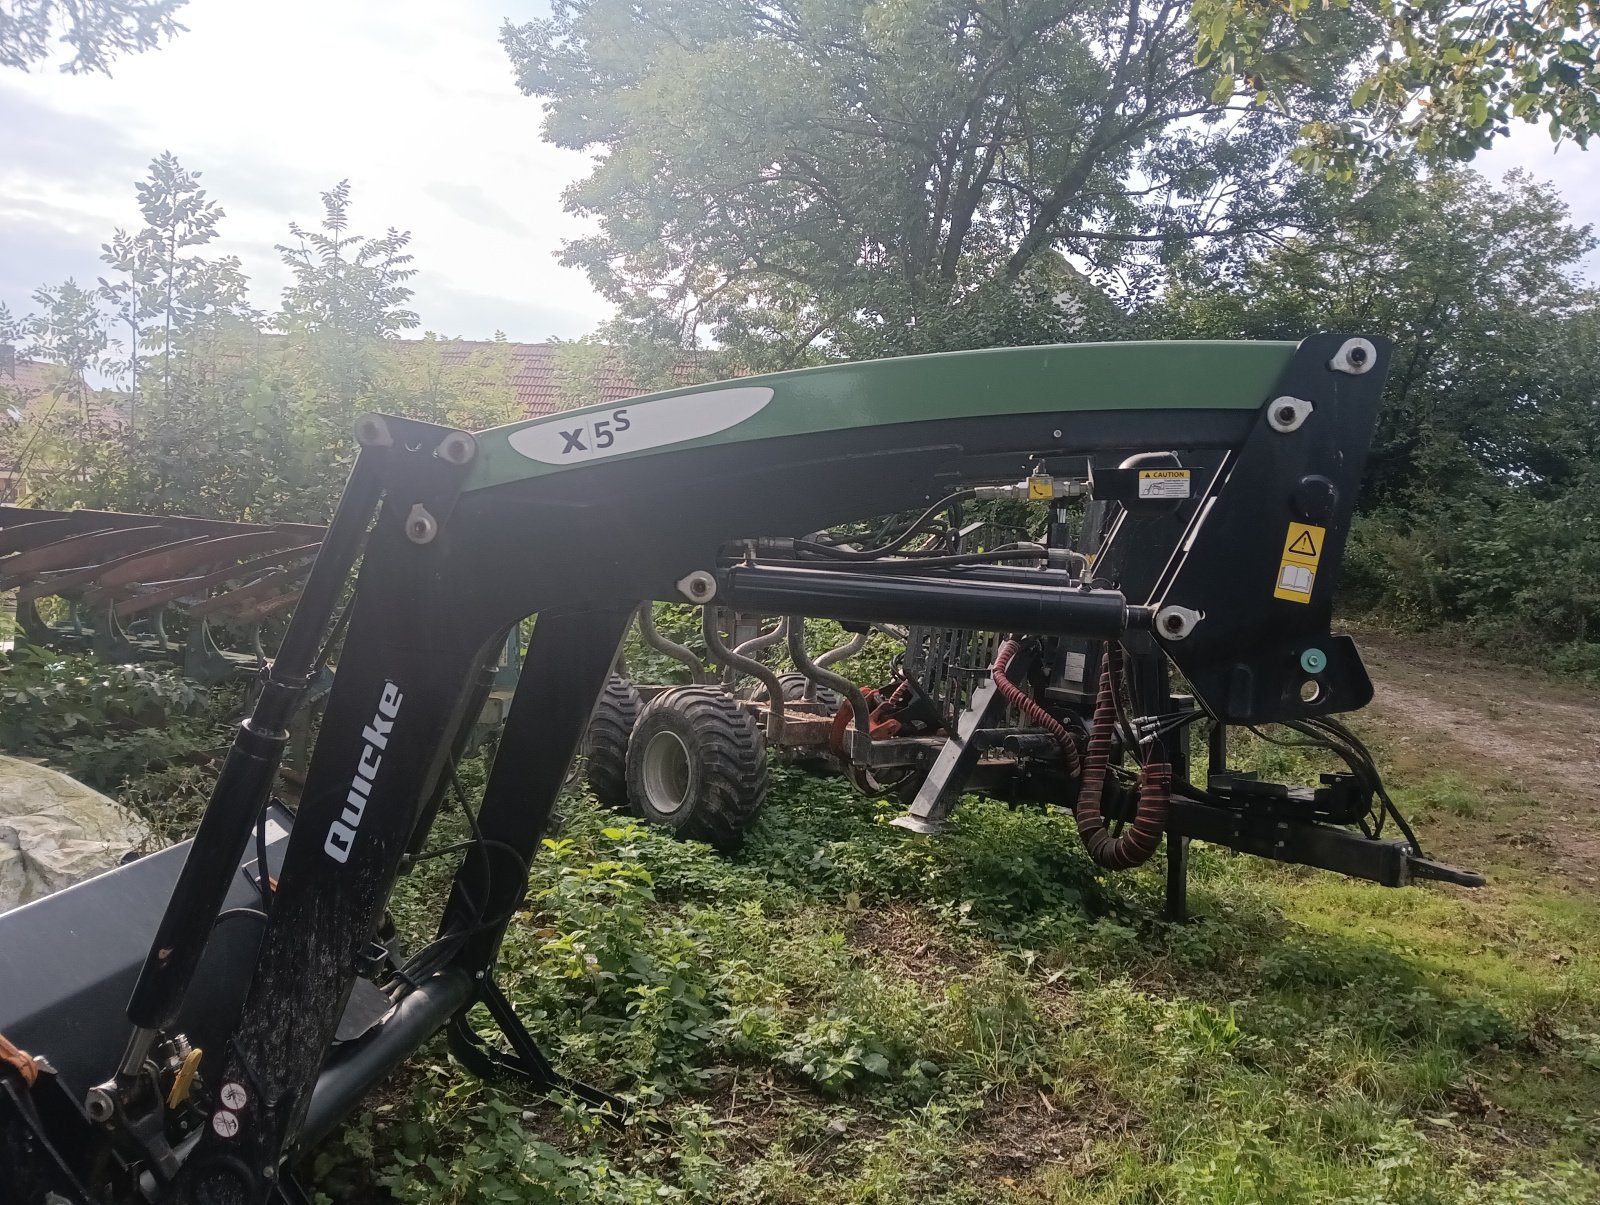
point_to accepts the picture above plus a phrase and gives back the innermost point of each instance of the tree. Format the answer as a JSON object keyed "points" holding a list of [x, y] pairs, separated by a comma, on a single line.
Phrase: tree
{"points": [[867, 178], [128, 299], [167, 295], [347, 284], [1482, 500], [69, 329], [13, 400], [1446, 76], [876, 177], [95, 30], [254, 424], [252, 432], [347, 296], [1480, 287]]}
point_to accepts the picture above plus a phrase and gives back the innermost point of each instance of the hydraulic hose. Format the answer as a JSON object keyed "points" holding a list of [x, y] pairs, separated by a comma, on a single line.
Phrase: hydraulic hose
{"points": [[764, 641], [1140, 840], [861, 715], [894, 545], [680, 653], [1031, 707], [733, 658], [844, 651]]}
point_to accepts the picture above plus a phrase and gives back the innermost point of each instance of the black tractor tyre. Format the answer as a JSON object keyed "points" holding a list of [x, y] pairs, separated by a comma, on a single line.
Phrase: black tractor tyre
{"points": [[697, 764], [794, 686], [605, 746]]}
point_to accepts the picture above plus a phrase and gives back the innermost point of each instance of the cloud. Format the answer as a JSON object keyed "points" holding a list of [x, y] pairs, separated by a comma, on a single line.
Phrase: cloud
{"points": [[458, 312], [42, 140], [1574, 172], [36, 252], [421, 115], [477, 206]]}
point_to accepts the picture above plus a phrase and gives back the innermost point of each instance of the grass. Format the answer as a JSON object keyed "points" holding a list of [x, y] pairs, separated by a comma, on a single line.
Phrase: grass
{"points": [[846, 1013]]}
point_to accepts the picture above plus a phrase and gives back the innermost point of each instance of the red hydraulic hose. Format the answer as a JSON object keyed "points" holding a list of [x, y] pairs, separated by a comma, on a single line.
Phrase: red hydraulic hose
{"points": [[1142, 837], [1030, 707]]}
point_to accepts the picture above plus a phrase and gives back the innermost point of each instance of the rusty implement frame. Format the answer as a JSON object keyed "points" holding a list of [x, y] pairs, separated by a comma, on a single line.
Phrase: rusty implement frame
{"points": [[111, 569]]}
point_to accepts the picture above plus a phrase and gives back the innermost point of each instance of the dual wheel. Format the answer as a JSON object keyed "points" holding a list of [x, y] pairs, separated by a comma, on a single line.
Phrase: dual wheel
{"points": [[691, 759]]}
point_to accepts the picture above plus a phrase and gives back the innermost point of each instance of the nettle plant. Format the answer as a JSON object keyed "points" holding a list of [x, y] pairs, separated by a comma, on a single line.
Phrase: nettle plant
{"points": [[103, 724]]}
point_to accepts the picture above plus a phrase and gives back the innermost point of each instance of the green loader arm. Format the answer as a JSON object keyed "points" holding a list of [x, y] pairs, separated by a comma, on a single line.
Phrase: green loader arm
{"points": [[1068, 382]]}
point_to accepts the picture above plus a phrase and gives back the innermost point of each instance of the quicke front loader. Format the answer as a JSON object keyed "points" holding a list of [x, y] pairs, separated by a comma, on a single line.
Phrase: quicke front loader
{"points": [[180, 1028]]}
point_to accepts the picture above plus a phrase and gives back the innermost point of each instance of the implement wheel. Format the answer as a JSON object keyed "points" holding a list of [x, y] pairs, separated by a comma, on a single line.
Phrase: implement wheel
{"points": [[697, 764], [794, 686], [606, 744]]}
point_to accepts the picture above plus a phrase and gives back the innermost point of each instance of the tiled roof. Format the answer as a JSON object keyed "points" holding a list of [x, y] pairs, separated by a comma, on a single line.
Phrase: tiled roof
{"points": [[29, 378], [533, 374], [24, 382]]}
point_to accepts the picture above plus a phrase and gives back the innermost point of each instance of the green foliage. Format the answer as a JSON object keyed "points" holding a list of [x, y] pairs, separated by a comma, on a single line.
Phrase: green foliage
{"points": [[1520, 573], [346, 284], [837, 1052], [1448, 77], [52, 697], [872, 1017], [135, 730], [97, 31], [166, 298], [679, 623], [857, 179], [998, 870], [577, 365], [254, 429], [229, 421], [1481, 289], [41, 426], [623, 987], [501, 1159], [848, 1012], [67, 329], [1481, 502]]}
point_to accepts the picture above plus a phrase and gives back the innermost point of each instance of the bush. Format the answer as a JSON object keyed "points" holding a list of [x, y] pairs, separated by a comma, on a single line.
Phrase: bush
{"points": [[137, 731], [1517, 570]]}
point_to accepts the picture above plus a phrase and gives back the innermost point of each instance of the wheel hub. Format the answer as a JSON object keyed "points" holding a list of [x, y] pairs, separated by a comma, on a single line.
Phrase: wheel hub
{"points": [[666, 772]]}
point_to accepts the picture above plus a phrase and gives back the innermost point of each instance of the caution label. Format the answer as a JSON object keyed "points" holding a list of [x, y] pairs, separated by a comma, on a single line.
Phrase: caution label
{"points": [[1297, 569], [1163, 483]]}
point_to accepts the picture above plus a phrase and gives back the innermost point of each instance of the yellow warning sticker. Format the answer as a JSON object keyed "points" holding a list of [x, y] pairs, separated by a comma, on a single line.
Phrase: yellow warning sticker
{"points": [[1297, 570], [1163, 483], [1040, 487]]}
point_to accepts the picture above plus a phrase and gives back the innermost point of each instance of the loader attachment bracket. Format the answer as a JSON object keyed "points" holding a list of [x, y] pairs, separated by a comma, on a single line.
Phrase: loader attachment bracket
{"points": [[1259, 561]]}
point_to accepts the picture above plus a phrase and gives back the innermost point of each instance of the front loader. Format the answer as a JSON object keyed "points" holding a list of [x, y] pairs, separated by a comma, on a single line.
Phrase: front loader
{"points": [[181, 1028]]}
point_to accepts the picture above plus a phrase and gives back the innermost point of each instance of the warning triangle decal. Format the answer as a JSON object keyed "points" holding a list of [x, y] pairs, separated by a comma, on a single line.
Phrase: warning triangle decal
{"points": [[1303, 545]]}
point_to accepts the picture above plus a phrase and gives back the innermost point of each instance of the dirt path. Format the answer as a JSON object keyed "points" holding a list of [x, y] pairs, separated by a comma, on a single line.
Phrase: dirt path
{"points": [[1490, 723]]}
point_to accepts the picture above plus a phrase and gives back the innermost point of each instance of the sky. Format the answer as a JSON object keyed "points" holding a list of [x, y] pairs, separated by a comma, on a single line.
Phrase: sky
{"points": [[413, 102], [274, 103]]}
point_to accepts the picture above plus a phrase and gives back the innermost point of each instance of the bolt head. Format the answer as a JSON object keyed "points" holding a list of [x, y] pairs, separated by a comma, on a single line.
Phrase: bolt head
{"points": [[1355, 357], [457, 448], [421, 527]]}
